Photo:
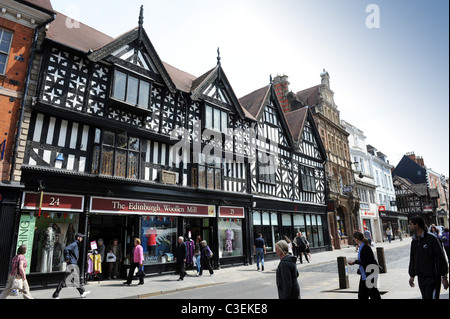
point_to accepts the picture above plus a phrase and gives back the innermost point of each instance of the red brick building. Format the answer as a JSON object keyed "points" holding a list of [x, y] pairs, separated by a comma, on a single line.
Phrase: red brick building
{"points": [[22, 26]]}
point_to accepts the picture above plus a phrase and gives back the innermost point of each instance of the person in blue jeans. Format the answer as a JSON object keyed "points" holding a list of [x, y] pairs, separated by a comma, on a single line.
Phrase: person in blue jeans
{"points": [[259, 250]]}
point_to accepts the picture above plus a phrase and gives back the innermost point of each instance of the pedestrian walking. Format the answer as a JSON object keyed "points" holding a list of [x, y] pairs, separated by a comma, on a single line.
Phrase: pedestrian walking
{"points": [[206, 255], [400, 234], [18, 270], [72, 276], [427, 261], [137, 261], [259, 250], [302, 246], [368, 235], [295, 245], [197, 253], [287, 239], [287, 273], [388, 234], [367, 288], [181, 255]]}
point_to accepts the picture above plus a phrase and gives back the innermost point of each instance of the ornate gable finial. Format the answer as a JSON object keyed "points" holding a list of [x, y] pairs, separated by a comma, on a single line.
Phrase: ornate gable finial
{"points": [[218, 56], [271, 80], [141, 24]]}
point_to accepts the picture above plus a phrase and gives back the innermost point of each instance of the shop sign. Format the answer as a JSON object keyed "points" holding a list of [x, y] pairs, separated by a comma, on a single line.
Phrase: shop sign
{"points": [[370, 214], [231, 212], [427, 208], [143, 207], [53, 202], [25, 235], [381, 208]]}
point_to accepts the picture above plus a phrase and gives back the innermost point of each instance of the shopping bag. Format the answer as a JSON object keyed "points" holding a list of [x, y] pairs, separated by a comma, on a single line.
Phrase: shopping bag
{"points": [[110, 258], [17, 283]]}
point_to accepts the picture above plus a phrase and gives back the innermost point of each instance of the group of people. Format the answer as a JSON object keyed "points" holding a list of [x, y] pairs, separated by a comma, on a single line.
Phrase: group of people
{"points": [[298, 247], [104, 259], [202, 257], [428, 263]]}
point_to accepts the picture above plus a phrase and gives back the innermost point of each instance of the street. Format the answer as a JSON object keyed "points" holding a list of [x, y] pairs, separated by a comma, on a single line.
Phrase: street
{"points": [[316, 281]]}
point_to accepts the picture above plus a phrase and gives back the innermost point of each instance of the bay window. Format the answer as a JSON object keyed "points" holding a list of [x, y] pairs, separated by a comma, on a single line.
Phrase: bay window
{"points": [[130, 89]]}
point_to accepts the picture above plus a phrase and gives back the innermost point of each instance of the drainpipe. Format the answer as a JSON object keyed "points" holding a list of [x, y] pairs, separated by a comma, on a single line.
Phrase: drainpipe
{"points": [[25, 92]]}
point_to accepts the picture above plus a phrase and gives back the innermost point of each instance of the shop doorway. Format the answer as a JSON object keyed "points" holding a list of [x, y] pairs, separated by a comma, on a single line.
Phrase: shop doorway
{"points": [[197, 226], [110, 228]]}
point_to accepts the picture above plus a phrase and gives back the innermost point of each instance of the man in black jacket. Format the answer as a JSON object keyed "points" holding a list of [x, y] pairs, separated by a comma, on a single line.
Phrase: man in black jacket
{"points": [[427, 261], [72, 274], [181, 255]]}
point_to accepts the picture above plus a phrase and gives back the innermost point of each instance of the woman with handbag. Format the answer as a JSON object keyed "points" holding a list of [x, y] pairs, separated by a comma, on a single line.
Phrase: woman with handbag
{"points": [[17, 278], [206, 255], [137, 261]]}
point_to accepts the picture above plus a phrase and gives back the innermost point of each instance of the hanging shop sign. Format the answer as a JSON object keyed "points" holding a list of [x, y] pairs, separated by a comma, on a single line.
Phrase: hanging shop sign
{"points": [[52, 202], [143, 207], [231, 212]]}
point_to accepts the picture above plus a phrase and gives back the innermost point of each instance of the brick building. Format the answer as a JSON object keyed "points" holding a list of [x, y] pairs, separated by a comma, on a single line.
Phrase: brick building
{"points": [[21, 27]]}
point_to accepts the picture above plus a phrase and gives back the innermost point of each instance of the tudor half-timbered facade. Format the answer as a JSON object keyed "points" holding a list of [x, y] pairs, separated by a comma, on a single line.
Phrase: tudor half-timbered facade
{"points": [[287, 176], [123, 145]]}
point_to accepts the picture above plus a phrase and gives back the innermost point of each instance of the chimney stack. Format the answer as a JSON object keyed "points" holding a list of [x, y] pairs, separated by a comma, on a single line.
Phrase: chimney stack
{"points": [[281, 86]]}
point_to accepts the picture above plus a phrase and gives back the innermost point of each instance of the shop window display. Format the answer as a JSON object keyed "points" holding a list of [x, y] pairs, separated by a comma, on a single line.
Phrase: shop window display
{"points": [[159, 238], [230, 237], [52, 233]]}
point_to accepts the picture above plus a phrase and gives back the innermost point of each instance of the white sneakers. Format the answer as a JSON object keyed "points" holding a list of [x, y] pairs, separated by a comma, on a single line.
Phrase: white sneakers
{"points": [[84, 294]]}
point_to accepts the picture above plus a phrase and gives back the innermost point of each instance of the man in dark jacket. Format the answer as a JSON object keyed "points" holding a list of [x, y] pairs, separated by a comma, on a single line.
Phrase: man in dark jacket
{"points": [[72, 275], [302, 245], [181, 255], [287, 273], [427, 261]]}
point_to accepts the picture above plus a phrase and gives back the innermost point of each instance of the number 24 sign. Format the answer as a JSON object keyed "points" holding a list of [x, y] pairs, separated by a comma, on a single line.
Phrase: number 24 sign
{"points": [[52, 201]]}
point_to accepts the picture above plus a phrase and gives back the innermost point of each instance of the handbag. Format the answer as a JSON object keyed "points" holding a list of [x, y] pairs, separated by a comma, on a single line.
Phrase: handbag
{"points": [[140, 272]]}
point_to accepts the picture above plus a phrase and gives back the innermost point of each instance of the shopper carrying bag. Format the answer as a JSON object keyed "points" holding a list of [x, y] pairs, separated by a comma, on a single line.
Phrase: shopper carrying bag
{"points": [[17, 278]]}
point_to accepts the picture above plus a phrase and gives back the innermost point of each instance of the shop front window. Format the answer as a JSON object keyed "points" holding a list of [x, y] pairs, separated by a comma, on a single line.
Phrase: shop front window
{"points": [[230, 237], [159, 238], [266, 223], [286, 222], [299, 223], [52, 233]]}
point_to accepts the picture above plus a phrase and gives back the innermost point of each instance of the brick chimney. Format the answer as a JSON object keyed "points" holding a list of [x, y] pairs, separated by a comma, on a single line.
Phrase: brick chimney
{"points": [[281, 86], [418, 159]]}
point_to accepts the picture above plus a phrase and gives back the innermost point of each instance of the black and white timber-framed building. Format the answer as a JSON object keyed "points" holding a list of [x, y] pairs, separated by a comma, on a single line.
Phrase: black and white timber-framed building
{"points": [[123, 145]]}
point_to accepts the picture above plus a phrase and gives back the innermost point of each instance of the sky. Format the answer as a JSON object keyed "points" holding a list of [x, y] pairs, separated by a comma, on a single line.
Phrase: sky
{"points": [[388, 60]]}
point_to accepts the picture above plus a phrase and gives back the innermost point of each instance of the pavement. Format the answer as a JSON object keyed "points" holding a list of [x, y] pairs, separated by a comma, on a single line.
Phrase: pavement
{"points": [[313, 285]]}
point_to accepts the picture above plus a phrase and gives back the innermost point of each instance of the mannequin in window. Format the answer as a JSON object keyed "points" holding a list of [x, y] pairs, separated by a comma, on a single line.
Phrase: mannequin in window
{"points": [[151, 241], [57, 254], [229, 240], [48, 245]]}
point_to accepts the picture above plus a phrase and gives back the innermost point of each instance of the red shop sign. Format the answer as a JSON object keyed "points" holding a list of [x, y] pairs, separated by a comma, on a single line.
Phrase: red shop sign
{"points": [[53, 202], [233, 212], [143, 207]]}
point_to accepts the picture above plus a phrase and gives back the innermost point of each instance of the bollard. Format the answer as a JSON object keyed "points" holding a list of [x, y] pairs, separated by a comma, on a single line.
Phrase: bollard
{"points": [[381, 259], [343, 273]]}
